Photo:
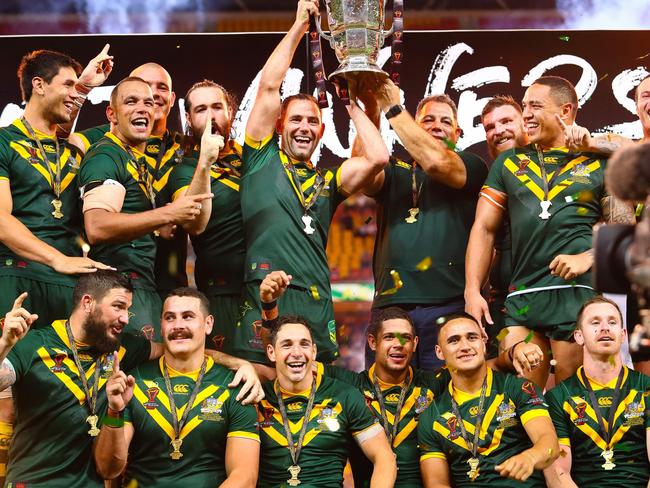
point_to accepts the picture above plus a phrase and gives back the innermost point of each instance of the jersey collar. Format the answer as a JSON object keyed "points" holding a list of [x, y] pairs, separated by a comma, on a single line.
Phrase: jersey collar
{"points": [[190, 374], [136, 152], [462, 396], [318, 374], [59, 328], [383, 384], [286, 159], [599, 386], [18, 123]]}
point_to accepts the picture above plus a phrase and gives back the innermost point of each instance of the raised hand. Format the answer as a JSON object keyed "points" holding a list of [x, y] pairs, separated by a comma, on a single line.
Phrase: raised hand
{"points": [[77, 265], [273, 286], [306, 8], [211, 144], [119, 387], [576, 137], [17, 322], [187, 207], [98, 69]]}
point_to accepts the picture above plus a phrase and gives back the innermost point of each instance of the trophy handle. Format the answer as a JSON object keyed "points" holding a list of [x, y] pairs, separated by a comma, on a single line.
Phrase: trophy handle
{"points": [[318, 28], [392, 27]]}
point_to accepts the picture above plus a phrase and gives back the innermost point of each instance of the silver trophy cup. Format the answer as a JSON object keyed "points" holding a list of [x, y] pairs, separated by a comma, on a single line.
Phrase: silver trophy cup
{"points": [[356, 34]]}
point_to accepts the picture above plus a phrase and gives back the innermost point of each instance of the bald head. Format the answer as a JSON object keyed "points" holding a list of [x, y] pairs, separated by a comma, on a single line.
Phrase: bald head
{"points": [[160, 81]]}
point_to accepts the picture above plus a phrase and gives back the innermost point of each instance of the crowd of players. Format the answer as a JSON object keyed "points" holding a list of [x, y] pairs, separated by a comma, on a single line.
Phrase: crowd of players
{"points": [[112, 371]]}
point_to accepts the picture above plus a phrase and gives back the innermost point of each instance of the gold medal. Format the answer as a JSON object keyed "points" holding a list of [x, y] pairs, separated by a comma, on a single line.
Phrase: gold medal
{"points": [[412, 218], [608, 455], [92, 421], [176, 454], [57, 204], [472, 474], [295, 471]]}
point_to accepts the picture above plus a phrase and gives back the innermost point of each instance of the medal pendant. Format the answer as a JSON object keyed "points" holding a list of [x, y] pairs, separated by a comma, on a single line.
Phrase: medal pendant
{"points": [[307, 220], [545, 204], [295, 471], [57, 204], [472, 474], [176, 454], [608, 455], [92, 421], [412, 218]]}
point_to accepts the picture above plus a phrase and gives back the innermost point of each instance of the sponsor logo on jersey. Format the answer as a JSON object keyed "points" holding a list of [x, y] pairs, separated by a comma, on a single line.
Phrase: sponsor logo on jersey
{"points": [[147, 331], [152, 393], [152, 149], [182, 389], [294, 406], [58, 362], [452, 424], [267, 416], [605, 402], [528, 388], [581, 411], [523, 164], [392, 398]]}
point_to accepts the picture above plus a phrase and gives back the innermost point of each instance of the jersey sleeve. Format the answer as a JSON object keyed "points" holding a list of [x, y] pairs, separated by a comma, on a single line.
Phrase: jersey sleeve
{"points": [[256, 154], [242, 419], [476, 170], [428, 439], [358, 414], [341, 374], [97, 167], [5, 160], [179, 180], [22, 354], [138, 350], [529, 399], [436, 381], [560, 420], [336, 192], [645, 385]]}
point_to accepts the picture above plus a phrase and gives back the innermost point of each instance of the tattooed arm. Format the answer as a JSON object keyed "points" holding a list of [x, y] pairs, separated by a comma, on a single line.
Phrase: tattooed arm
{"points": [[16, 325], [617, 211]]}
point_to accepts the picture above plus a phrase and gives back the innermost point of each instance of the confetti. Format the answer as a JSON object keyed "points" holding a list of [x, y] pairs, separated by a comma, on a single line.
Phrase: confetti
{"points": [[603, 77], [314, 292], [424, 264], [397, 281], [368, 220], [441, 320], [564, 38], [644, 56], [523, 310], [529, 337], [502, 334], [450, 144], [583, 211], [585, 196], [553, 362], [638, 210], [521, 287], [401, 339], [611, 360], [574, 283]]}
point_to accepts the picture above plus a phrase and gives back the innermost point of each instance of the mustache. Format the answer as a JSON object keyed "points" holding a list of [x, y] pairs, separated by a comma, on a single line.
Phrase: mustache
{"points": [[179, 334]]}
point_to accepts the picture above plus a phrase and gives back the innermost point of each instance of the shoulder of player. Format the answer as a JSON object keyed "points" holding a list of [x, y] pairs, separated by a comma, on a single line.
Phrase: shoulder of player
{"points": [[335, 388], [106, 147], [220, 375], [432, 379], [638, 380]]}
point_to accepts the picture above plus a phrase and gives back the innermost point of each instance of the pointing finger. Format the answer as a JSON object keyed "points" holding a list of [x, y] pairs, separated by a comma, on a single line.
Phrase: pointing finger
{"points": [[208, 123], [116, 362], [18, 303], [561, 122]]}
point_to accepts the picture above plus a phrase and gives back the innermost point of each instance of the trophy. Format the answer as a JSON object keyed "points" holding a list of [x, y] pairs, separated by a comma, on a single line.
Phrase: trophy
{"points": [[356, 34]]}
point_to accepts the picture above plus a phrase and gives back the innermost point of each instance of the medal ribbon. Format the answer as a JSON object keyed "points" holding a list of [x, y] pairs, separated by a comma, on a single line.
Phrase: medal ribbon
{"points": [[415, 191], [473, 446], [55, 178], [391, 433], [144, 178], [294, 449], [91, 399], [605, 431], [176, 423], [396, 44], [319, 184]]}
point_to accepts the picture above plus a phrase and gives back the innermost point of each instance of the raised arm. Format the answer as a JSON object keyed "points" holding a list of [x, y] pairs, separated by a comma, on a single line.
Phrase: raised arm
{"points": [[436, 159], [266, 108], [16, 325], [480, 247]]}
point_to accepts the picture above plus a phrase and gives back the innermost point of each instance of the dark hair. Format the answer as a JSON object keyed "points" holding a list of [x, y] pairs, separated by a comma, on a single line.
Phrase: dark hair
{"points": [[592, 301], [188, 291], [445, 319], [298, 96], [381, 315], [562, 91], [205, 83], [499, 101], [42, 64], [282, 320], [636, 90], [438, 99], [98, 284], [116, 89]]}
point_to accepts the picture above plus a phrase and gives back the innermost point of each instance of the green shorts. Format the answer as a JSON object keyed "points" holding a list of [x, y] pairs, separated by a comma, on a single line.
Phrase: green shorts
{"points": [[552, 313], [145, 313], [247, 339], [497, 312], [225, 310], [50, 301]]}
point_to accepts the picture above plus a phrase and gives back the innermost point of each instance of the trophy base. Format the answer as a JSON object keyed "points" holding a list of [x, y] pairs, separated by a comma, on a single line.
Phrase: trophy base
{"points": [[353, 65]]}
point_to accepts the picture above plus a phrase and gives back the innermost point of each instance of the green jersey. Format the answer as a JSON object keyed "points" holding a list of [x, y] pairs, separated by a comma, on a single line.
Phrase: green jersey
{"points": [[215, 416], [574, 187], [279, 233], [94, 134], [339, 411], [423, 387], [433, 272], [576, 424], [220, 248], [51, 445], [109, 162], [34, 200], [510, 403]]}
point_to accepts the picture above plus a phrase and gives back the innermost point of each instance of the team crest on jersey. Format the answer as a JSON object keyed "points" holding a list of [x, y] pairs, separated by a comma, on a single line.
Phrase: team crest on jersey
{"points": [[218, 341], [327, 420], [528, 388], [152, 393], [523, 164], [58, 358], [581, 411], [580, 174], [452, 425], [633, 414], [256, 341], [506, 415], [421, 404], [267, 416], [211, 409], [147, 332]]}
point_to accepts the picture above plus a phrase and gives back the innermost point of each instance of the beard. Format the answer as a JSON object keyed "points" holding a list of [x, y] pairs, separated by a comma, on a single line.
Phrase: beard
{"points": [[97, 335]]}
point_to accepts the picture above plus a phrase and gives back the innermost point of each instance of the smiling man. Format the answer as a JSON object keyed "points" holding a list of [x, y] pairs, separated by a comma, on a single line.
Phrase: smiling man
{"points": [[120, 214], [214, 439], [553, 197], [487, 428], [601, 413], [287, 203]]}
